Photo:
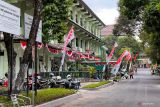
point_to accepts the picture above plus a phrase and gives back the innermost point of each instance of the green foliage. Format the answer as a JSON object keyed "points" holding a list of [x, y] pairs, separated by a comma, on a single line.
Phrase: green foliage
{"points": [[117, 78], [46, 95], [92, 70], [132, 8], [55, 16], [145, 15], [152, 27], [95, 85], [127, 43], [124, 26], [110, 40]]}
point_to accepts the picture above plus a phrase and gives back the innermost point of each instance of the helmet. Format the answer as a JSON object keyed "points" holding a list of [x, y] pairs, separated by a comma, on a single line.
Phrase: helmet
{"points": [[68, 76], [58, 77]]}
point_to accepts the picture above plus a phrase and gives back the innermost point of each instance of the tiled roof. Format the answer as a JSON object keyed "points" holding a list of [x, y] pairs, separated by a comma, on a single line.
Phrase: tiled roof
{"points": [[108, 30]]}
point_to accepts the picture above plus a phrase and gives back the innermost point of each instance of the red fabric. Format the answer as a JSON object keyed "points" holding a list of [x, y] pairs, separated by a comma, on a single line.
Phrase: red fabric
{"points": [[96, 58], [69, 53], [5, 83], [54, 51], [23, 44]]}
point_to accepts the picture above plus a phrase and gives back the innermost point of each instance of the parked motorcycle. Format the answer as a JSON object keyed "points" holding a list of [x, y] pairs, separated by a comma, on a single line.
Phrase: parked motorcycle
{"points": [[41, 83], [71, 83]]}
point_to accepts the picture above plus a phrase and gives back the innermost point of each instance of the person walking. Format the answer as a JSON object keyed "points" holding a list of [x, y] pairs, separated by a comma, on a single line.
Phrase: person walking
{"points": [[131, 72]]}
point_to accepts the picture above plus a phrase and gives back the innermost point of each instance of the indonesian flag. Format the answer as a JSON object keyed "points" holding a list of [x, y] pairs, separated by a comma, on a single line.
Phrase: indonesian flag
{"points": [[70, 37], [119, 61], [108, 58]]}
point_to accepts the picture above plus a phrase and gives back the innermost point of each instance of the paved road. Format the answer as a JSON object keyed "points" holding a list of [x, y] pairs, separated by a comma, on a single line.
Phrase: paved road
{"points": [[142, 91]]}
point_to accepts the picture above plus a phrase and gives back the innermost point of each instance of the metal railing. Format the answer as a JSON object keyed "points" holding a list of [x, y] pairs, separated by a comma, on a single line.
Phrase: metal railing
{"points": [[63, 74]]}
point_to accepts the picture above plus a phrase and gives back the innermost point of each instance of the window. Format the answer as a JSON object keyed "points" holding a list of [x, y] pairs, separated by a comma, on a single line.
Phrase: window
{"points": [[76, 18], [81, 44], [86, 47], [81, 20], [77, 45]]}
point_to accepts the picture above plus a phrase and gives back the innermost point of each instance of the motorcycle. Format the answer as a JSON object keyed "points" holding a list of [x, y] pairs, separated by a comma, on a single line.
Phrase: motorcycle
{"points": [[71, 83], [41, 83]]}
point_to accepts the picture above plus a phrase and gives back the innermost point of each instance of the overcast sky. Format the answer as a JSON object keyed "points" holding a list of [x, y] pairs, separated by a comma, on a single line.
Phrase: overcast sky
{"points": [[106, 10]]}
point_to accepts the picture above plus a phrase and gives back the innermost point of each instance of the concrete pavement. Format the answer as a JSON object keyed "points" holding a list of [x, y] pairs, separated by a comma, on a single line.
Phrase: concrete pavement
{"points": [[142, 91]]}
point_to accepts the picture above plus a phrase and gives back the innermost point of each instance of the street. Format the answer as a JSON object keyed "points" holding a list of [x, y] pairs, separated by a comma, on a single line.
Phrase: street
{"points": [[142, 91]]}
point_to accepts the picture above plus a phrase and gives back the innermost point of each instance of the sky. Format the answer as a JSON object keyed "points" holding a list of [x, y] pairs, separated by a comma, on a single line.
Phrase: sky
{"points": [[106, 10]]}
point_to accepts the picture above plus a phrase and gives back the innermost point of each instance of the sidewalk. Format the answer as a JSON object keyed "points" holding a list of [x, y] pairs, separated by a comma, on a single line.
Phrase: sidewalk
{"points": [[61, 101]]}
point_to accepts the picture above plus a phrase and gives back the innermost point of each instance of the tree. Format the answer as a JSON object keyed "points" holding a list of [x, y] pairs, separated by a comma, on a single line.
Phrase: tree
{"points": [[8, 44], [146, 14], [30, 44], [127, 43], [54, 16], [110, 40]]}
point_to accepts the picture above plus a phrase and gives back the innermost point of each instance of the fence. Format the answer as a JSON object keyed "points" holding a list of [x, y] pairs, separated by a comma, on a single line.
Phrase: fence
{"points": [[63, 74]]}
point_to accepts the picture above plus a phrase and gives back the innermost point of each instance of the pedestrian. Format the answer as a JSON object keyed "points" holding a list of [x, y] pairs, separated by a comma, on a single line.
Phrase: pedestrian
{"points": [[131, 72]]}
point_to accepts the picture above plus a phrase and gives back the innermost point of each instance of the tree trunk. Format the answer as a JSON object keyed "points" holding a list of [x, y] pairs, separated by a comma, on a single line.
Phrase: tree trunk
{"points": [[30, 44], [8, 44]]}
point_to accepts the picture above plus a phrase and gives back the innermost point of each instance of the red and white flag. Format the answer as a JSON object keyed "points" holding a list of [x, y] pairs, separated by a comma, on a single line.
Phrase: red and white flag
{"points": [[119, 61], [108, 58], [70, 37]]}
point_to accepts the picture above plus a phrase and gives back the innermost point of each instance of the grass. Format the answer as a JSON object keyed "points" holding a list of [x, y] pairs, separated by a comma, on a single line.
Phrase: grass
{"points": [[43, 96], [90, 86], [117, 78]]}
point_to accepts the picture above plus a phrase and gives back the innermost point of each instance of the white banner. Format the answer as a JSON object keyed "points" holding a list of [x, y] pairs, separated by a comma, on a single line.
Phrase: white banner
{"points": [[28, 22], [9, 18]]}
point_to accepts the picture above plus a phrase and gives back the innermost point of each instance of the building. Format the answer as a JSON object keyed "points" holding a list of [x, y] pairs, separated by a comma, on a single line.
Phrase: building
{"points": [[107, 30], [86, 24]]}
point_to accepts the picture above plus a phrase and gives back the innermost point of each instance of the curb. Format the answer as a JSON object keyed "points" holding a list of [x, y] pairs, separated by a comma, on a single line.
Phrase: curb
{"points": [[60, 101], [64, 100], [103, 86]]}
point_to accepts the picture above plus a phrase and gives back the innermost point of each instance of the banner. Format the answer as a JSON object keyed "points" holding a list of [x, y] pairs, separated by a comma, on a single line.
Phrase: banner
{"points": [[9, 18], [70, 37], [108, 57], [119, 61], [28, 23]]}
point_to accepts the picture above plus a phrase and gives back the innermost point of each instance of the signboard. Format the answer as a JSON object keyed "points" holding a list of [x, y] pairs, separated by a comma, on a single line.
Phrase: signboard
{"points": [[28, 22], [9, 18]]}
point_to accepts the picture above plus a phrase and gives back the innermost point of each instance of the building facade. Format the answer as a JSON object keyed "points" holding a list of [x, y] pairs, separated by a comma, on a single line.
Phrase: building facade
{"points": [[87, 28]]}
